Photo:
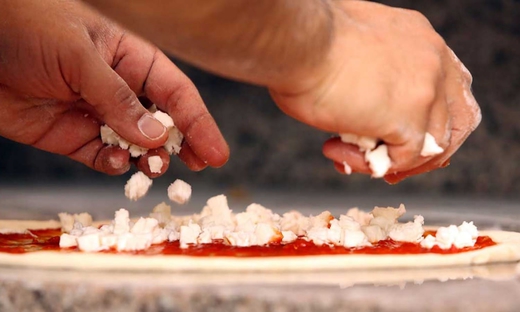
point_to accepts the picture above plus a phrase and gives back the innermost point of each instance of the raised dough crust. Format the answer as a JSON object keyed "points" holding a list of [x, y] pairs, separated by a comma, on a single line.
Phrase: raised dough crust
{"points": [[506, 250]]}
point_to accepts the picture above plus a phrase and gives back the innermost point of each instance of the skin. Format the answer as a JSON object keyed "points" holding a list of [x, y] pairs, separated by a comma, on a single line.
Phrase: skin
{"points": [[66, 70], [339, 66], [360, 68]]}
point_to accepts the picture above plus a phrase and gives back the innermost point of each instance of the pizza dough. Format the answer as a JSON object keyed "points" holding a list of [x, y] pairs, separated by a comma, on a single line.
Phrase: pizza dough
{"points": [[506, 250]]}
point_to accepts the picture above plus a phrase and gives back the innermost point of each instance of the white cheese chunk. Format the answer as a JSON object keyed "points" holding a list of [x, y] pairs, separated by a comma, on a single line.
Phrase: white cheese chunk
{"points": [[189, 234], [347, 168], [296, 222], [67, 220], [67, 240], [144, 226], [408, 232], [373, 233], [121, 222], [137, 151], [217, 212], [241, 238], [155, 164], [132, 242], [363, 142], [377, 156], [378, 161], [288, 236], [137, 186], [174, 142], [354, 239], [109, 240], [179, 192], [464, 235], [266, 233], [430, 147], [361, 217], [164, 118], [90, 242], [109, 136]]}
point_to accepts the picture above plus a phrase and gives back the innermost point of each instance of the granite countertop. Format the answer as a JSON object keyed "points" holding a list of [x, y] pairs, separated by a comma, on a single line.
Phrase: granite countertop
{"points": [[478, 288]]}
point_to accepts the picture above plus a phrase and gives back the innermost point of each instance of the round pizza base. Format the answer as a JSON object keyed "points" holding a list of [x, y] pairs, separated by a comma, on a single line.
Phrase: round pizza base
{"points": [[506, 250]]}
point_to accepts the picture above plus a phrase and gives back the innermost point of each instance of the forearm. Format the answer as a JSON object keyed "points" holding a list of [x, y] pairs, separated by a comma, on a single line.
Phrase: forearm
{"points": [[261, 42]]}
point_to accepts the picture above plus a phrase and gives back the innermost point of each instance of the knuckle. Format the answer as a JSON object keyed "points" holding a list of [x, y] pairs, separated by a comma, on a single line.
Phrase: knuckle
{"points": [[124, 96]]}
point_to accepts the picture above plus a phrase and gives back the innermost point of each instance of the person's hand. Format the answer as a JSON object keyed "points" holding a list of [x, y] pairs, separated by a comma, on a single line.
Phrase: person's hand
{"points": [[64, 70], [388, 75]]}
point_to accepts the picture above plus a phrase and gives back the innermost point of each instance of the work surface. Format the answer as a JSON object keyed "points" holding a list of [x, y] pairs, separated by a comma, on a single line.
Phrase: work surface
{"points": [[480, 288]]}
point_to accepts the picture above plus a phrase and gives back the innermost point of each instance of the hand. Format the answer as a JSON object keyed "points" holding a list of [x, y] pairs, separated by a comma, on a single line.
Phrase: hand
{"points": [[66, 70], [388, 75]]}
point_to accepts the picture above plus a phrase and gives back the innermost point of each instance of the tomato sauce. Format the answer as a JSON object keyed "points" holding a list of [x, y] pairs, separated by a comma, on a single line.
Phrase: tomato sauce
{"points": [[38, 240]]}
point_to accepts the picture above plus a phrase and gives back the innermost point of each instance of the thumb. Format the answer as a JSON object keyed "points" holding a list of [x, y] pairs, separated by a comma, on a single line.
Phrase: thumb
{"points": [[116, 104]]}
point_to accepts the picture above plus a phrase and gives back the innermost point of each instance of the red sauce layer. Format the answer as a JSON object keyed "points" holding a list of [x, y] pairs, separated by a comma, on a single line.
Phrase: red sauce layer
{"points": [[38, 240]]}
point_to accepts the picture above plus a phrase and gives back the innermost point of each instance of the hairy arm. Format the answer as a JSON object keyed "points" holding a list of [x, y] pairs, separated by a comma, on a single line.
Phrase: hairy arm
{"points": [[260, 42]]}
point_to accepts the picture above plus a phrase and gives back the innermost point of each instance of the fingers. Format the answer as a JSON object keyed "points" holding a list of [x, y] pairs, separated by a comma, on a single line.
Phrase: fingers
{"points": [[144, 166], [189, 158], [465, 117], [340, 152], [69, 131], [173, 92], [116, 103], [148, 71], [107, 159]]}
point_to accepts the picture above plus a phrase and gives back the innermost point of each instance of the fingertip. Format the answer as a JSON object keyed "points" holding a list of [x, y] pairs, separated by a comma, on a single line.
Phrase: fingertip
{"points": [[145, 164], [190, 159], [112, 160], [219, 156], [340, 152], [152, 129]]}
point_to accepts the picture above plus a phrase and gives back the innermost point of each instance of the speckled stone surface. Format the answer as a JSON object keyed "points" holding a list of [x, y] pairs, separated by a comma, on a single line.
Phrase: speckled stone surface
{"points": [[271, 150], [139, 294]]}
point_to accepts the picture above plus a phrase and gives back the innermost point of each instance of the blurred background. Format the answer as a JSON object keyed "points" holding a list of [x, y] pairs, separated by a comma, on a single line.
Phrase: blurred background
{"points": [[271, 151]]}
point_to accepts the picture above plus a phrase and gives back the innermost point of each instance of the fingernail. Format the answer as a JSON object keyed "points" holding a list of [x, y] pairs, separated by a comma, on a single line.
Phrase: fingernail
{"points": [[151, 127]]}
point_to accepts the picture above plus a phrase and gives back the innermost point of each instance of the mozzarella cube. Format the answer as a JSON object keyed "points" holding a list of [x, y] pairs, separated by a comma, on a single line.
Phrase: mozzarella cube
{"points": [[137, 186], [241, 239], [354, 239], [408, 232], [144, 226], [109, 241], [155, 164], [266, 233], [89, 242], [121, 222], [174, 142], [189, 234], [288, 236], [361, 217], [67, 240], [296, 222], [347, 168], [373, 233], [430, 147], [133, 242], [378, 161], [108, 136], [137, 151], [363, 142], [163, 118], [179, 192]]}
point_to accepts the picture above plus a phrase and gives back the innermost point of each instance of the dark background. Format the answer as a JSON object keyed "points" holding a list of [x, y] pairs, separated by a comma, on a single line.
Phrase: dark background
{"points": [[270, 150]]}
